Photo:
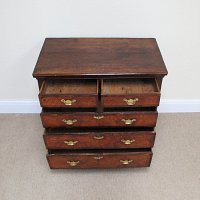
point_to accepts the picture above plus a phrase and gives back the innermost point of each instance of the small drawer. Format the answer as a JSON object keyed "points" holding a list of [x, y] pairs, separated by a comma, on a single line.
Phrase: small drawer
{"points": [[63, 139], [69, 93], [135, 92], [107, 119], [99, 159]]}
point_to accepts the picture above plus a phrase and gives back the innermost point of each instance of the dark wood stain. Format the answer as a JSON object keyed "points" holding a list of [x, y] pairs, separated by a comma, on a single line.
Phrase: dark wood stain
{"points": [[107, 160], [100, 140], [112, 119], [86, 57], [96, 76]]}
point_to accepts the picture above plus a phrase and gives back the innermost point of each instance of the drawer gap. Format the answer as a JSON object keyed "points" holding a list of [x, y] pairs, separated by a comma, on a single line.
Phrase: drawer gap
{"points": [[99, 102], [95, 151], [95, 130], [127, 109], [67, 110]]}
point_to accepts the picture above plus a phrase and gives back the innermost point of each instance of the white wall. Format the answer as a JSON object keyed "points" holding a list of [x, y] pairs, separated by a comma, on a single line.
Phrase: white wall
{"points": [[25, 23]]}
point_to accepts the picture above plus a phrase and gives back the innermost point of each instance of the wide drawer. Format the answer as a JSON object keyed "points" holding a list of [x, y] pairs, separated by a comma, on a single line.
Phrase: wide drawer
{"points": [[135, 92], [99, 159], [112, 139], [90, 119], [69, 93]]}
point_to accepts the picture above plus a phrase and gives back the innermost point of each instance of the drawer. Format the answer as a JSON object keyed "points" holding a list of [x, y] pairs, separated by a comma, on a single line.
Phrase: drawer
{"points": [[112, 139], [135, 92], [69, 93], [99, 159], [89, 119]]}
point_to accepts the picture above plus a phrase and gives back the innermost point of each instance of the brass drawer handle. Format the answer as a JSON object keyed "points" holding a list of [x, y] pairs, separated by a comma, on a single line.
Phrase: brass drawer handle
{"points": [[69, 121], [128, 121], [127, 141], [98, 117], [68, 102], [131, 102], [98, 157], [98, 137], [73, 163], [126, 162], [70, 143]]}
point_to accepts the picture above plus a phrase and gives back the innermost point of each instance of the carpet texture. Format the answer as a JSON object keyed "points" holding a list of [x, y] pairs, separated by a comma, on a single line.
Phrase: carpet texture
{"points": [[174, 173]]}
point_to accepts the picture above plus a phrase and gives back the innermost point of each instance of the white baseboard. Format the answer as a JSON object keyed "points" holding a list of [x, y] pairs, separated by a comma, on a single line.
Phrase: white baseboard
{"points": [[166, 106], [23, 106], [176, 106]]}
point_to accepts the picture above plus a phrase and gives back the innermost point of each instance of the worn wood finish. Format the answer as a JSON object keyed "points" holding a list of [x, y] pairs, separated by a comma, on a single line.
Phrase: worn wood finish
{"points": [[112, 119], [99, 140], [82, 93], [57, 101], [74, 86], [144, 100], [112, 159], [98, 94], [129, 86], [115, 93], [93, 57]]}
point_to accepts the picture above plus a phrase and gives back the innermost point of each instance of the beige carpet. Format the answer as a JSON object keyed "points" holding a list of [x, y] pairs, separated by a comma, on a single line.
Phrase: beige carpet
{"points": [[174, 173]]}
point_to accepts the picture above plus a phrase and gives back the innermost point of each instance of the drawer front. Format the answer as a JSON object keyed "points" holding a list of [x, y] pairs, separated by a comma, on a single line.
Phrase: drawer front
{"points": [[105, 140], [138, 100], [68, 101], [70, 120], [119, 119], [99, 160], [136, 92], [72, 93]]}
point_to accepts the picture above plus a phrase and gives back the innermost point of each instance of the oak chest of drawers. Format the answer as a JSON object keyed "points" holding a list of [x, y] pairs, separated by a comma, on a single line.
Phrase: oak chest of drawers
{"points": [[99, 99]]}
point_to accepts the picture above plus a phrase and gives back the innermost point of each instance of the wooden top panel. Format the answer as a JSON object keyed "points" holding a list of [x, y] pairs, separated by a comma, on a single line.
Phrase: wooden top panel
{"points": [[93, 57]]}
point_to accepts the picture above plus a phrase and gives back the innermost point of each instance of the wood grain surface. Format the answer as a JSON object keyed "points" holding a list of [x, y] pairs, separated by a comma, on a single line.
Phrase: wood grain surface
{"points": [[91, 57]]}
